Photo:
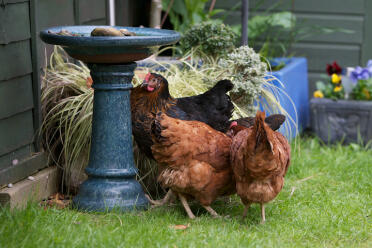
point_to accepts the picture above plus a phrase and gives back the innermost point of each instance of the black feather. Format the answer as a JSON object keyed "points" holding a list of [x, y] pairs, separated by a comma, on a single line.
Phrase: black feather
{"points": [[214, 107]]}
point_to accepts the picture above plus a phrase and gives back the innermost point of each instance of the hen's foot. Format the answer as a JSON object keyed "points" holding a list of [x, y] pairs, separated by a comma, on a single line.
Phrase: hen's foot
{"points": [[157, 203], [186, 206], [262, 214], [211, 211]]}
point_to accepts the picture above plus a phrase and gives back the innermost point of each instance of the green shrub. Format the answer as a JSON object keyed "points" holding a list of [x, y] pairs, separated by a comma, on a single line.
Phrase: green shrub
{"points": [[209, 38]]}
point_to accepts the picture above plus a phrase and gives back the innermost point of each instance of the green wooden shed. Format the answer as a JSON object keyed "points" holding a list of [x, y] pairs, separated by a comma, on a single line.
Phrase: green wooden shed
{"points": [[349, 49], [21, 61]]}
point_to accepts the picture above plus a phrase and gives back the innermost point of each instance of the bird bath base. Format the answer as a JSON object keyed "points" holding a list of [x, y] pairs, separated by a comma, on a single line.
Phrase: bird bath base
{"points": [[111, 173]]}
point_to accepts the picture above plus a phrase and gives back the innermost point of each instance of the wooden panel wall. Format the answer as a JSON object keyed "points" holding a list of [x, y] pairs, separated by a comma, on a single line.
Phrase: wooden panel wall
{"points": [[21, 61], [349, 49], [16, 85]]}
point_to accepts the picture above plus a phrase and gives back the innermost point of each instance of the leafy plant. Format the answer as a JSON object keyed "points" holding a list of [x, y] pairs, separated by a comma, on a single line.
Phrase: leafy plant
{"points": [[363, 90], [209, 38], [333, 87], [361, 78], [248, 73], [185, 13]]}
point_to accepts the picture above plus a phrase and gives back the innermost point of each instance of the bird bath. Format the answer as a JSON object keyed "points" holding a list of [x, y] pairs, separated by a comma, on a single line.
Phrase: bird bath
{"points": [[111, 172]]}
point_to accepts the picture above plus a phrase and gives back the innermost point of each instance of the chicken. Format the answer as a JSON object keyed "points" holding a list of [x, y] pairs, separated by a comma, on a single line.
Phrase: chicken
{"points": [[260, 159], [214, 107], [193, 159]]}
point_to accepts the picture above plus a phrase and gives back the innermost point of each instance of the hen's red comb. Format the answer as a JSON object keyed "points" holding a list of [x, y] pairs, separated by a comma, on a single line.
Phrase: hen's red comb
{"points": [[147, 76], [233, 124]]}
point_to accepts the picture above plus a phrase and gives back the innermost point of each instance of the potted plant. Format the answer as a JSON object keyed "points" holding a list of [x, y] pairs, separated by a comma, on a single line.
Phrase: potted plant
{"points": [[341, 109]]}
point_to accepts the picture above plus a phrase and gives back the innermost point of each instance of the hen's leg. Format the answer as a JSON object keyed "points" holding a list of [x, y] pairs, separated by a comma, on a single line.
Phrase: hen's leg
{"points": [[161, 202], [246, 208], [211, 211], [262, 213], [186, 206]]}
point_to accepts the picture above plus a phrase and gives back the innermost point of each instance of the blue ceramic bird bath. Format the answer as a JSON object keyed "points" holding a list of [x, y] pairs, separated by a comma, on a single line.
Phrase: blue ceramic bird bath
{"points": [[111, 172]]}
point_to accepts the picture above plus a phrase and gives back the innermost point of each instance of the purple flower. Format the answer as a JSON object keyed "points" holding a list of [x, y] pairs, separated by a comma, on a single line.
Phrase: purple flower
{"points": [[359, 73], [369, 67]]}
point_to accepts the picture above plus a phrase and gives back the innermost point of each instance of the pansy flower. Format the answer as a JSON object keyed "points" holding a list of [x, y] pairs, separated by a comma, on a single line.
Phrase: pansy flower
{"points": [[337, 88], [333, 68], [369, 67], [359, 73], [336, 78], [318, 94]]}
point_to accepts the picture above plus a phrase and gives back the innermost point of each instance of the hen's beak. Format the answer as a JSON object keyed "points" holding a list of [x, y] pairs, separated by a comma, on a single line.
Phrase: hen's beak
{"points": [[147, 86]]}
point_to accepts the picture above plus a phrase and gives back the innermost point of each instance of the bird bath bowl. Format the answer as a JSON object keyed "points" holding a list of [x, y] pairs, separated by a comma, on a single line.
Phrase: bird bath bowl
{"points": [[111, 172]]}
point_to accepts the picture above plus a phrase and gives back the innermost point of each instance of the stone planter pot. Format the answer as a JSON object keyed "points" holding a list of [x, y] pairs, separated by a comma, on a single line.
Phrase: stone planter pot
{"points": [[341, 120]]}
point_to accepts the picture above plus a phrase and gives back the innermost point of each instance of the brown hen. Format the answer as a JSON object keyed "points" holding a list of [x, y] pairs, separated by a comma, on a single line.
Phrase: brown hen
{"points": [[194, 160], [260, 158]]}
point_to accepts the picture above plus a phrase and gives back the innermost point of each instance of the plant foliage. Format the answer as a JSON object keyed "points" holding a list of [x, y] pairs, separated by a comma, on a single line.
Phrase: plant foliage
{"points": [[210, 38], [185, 13]]}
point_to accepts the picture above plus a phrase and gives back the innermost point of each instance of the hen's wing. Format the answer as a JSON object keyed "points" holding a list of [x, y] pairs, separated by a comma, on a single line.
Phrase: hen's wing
{"points": [[177, 141], [284, 152], [237, 152], [213, 107]]}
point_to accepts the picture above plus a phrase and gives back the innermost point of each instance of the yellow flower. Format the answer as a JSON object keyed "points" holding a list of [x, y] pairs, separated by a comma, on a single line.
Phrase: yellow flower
{"points": [[318, 94], [336, 78], [337, 88], [366, 93]]}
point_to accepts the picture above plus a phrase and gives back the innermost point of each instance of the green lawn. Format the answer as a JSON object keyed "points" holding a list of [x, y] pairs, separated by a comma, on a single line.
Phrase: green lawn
{"points": [[331, 207]]}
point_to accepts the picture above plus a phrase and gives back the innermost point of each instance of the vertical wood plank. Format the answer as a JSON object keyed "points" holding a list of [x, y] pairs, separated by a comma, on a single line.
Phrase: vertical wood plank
{"points": [[77, 12], [35, 72], [123, 13], [367, 42]]}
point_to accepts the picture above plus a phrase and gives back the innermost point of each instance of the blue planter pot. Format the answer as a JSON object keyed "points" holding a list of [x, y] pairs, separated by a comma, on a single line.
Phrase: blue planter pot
{"points": [[295, 84]]}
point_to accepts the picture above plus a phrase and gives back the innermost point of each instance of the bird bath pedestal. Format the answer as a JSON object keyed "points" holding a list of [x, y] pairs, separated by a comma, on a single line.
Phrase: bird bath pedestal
{"points": [[111, 173]]}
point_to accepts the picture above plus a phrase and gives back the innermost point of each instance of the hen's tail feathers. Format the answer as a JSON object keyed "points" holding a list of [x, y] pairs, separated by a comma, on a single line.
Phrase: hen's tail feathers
{"points": [[156, 128], [259, 129], [273, 121], [245, 121], [222, 86]]}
